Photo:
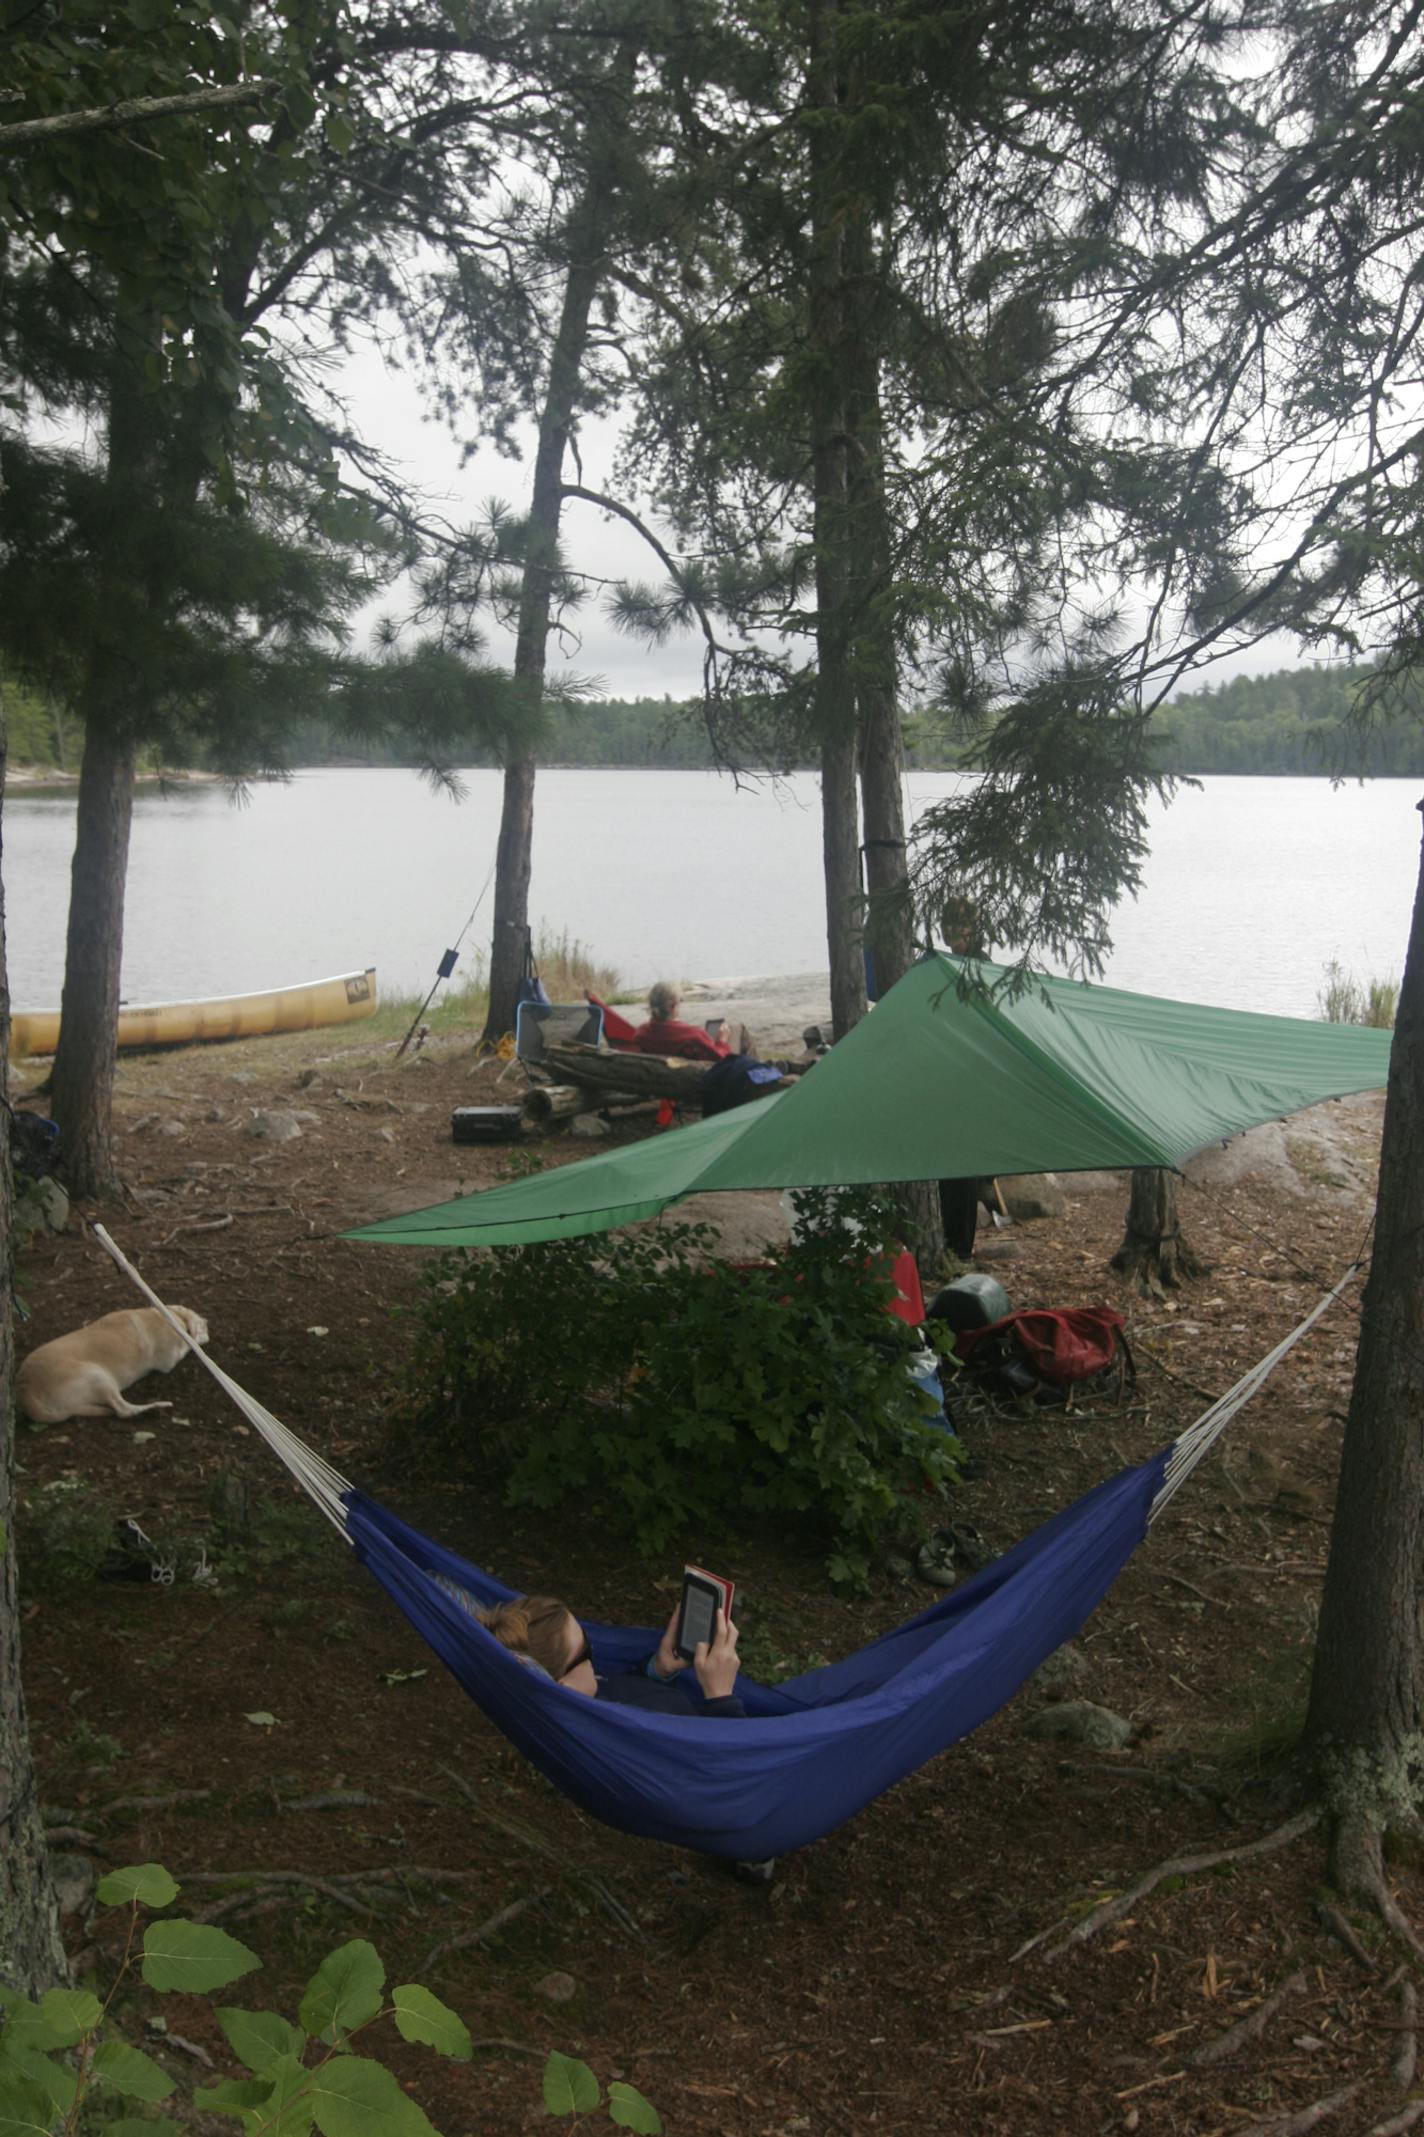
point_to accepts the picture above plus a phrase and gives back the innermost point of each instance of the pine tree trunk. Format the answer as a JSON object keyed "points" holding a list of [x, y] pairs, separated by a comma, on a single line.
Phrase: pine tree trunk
{"points": [[889, 917], [831, 534], [31, 1954], [1364, 1724], [589, 229], [1153, 1252], [83, 1076]]}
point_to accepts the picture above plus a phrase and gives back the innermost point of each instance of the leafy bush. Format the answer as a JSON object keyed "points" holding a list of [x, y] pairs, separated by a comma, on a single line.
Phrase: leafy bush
{"points": [[680, 1390], [57, 2053]]}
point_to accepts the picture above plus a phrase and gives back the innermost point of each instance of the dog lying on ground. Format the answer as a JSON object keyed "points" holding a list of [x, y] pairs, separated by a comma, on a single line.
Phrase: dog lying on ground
{"points": [[84, 1374]]}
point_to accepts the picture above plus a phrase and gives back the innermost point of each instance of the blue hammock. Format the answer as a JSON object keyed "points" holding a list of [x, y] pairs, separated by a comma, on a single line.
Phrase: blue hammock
{"points": [[810, 1752]]}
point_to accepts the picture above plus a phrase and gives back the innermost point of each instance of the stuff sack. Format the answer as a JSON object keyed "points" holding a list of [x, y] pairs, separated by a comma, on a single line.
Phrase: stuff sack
{"points": [[1062, 1345], [735, 1081]]}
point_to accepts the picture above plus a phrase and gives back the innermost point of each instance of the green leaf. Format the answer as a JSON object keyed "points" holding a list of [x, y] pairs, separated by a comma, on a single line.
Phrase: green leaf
{"points": [[259, 2038], [68, 2014], [422, 2017], [628, 2108], [233, 2096], [353, 2097], [193, 1956], [52, 2078], [26, 2109], [64, 2017], [146, 1882], [345, 1990], [130, 2071], [288, 2111], [570, 2087]]}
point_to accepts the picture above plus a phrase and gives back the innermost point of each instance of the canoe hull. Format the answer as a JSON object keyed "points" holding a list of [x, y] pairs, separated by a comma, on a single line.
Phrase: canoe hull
{"points": [[342, 1000]]}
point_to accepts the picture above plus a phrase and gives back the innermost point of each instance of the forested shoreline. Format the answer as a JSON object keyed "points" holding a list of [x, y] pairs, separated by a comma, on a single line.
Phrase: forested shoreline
{"points": [[1293, 721]]}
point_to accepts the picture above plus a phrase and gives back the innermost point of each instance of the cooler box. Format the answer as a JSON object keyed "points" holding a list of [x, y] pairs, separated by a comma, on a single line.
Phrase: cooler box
{"points": [[484, 1124]]}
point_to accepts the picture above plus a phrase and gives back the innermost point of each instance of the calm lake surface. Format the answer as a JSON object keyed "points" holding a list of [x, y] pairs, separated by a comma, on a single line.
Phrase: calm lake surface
{"points": [[1252, 887]]}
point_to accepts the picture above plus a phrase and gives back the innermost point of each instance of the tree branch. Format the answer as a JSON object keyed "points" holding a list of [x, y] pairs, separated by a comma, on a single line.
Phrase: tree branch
{"points": [[135, 110]]}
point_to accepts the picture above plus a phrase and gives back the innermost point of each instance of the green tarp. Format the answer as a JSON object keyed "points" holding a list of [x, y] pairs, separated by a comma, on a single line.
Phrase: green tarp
{"points": [[934, 1084]]}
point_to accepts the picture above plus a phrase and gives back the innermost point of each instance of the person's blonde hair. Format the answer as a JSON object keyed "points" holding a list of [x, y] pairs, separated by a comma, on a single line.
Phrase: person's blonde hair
{"points": [[533, 1625], [663, 1000]]}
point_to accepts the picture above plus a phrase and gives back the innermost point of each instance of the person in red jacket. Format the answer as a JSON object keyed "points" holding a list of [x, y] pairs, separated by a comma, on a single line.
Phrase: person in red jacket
{"points": [[665, 1033]]}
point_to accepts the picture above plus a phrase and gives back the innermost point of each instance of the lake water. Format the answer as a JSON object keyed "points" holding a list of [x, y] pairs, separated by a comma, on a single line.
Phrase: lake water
{"points": [[1252, 887]]}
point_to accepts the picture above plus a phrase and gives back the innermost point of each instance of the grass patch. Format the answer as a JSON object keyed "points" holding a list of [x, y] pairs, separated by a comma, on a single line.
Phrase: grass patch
{"points": [[567, 967], [1345, 999]]}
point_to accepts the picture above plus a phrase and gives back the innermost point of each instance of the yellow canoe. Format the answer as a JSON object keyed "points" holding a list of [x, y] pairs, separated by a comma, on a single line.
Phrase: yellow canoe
{"points": [[233, 1016]]}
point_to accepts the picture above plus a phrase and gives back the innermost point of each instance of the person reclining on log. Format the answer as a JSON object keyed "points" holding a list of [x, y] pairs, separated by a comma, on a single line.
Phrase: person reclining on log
{"points": [[546, 1635], [665, 1033]]}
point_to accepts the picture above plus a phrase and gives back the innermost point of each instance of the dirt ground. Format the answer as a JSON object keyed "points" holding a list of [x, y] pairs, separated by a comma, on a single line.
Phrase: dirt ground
{"points": [[900, 1975]]}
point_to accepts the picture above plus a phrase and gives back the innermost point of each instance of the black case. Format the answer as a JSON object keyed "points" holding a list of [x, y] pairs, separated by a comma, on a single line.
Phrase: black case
{"points": [[484, 1124]]}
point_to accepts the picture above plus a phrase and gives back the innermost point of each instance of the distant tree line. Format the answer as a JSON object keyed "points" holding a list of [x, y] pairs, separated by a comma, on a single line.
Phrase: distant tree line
{"points": [[1295, 721]]}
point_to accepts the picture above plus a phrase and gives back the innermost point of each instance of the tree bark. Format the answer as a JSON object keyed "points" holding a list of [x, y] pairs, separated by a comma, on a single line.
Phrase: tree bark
{"points": [[1154, 1253], [589, 230], [889, 917], [31, 1955], [1364, 1729], [83, 1075], [827, 357]]}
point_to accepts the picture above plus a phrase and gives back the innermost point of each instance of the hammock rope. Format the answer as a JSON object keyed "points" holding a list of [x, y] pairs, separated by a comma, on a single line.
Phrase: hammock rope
{"points": [[809, 1752]]}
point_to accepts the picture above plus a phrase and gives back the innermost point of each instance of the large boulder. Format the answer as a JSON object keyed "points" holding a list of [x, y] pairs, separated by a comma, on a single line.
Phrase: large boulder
{"points": [[1032, 1194]]}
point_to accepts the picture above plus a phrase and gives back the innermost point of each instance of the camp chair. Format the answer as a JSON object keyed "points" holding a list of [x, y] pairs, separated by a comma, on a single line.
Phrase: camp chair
{"points": [[536, 1024]]}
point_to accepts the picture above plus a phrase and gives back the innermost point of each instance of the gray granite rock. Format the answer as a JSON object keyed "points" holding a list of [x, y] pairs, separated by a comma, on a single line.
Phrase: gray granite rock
{"points": [[1079, 1721]]}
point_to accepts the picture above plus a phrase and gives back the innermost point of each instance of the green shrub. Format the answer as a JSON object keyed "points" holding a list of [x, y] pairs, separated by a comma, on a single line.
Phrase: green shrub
{"points": [[679, 1391], [64, 1532], [61, 2056]]}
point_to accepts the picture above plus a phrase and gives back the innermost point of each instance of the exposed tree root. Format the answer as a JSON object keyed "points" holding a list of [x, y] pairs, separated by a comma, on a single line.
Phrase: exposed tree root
{"points": [[1246, 2029], [1332, 1921], [1396, 2125], [1179, 1866], [488, 1928], [1305, 2118], [1406, 2056], [1357, 1871]]}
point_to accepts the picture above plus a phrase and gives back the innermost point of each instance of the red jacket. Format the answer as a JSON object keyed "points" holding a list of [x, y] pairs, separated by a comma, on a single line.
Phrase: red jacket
{"points": [[689, 1042]]}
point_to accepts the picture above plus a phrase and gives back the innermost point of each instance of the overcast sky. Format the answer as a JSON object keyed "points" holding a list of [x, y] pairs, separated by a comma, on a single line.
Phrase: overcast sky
{"points": [[388, 410]]}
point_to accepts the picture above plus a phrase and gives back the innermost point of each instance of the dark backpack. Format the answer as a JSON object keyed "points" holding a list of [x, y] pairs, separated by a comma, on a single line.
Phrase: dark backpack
{"points": [[734, 1082]]}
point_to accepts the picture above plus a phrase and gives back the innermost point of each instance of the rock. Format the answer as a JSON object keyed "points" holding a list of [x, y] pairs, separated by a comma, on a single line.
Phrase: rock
{"points": [[1079, 1721], [73, 1877], [309, 1079], [243, 1076], [306, 1119], [1033, 1194], [1067, 1665], [40, 1206], [557, 1988], [173, 1128], [385, 1135], [215, 1113], [589, 1126], [897, 1567], [273, 1127]]}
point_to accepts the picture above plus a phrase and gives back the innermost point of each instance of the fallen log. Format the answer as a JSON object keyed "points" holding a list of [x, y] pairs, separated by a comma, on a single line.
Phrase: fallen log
{"points": [[549, 1102], [644, 1075]]}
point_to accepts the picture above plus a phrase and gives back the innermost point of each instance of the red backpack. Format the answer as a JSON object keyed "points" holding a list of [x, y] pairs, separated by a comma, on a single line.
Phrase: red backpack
{"points": [[1062, 1344]]}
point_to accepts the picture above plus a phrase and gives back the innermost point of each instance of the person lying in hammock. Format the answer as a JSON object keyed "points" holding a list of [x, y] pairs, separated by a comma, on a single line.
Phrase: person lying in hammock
{"points": [[546, 1633]]}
